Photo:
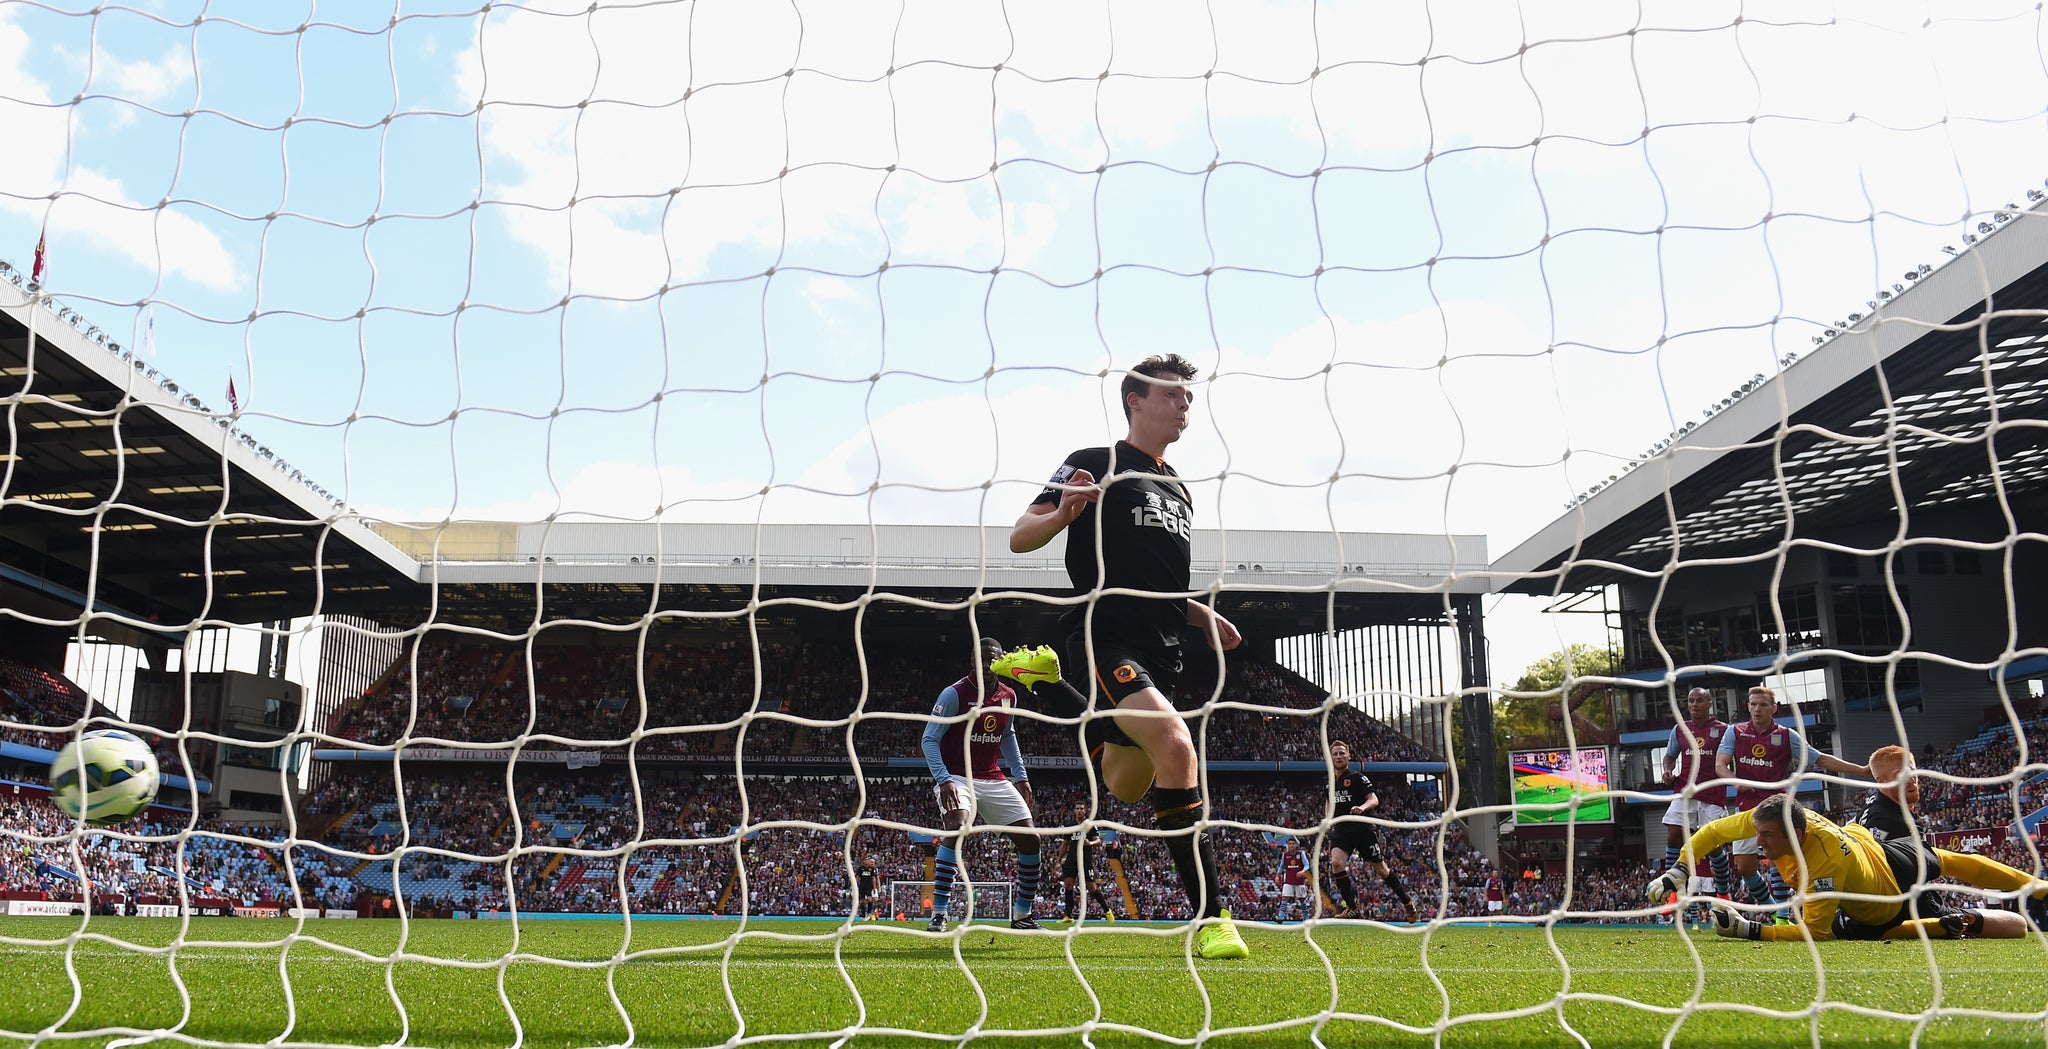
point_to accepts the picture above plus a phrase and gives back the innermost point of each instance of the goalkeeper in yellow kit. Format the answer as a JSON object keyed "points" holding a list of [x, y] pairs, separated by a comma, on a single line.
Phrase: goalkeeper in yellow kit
{"points": [[1855, 887]]}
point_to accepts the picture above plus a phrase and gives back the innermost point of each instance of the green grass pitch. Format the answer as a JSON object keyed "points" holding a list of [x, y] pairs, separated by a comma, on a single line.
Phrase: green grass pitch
{"points": [[552, 983]]}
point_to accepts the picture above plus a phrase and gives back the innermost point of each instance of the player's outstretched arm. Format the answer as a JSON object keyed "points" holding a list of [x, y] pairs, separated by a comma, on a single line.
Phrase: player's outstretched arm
{"points": [[1816, 924], [1221, 634], [1661, 887], [1041, 521], [1703, 842], [1734, 924], [1834, 764]]}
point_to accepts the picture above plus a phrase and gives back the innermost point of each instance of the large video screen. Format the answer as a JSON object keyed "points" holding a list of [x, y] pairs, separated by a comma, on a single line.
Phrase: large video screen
{"points": [[1546, 782]]}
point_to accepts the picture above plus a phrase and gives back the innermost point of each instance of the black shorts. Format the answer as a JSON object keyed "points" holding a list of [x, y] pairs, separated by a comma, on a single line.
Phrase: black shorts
{"points": [[1070, 868], [1904, 858], [1118, 670], [1357, 839]]}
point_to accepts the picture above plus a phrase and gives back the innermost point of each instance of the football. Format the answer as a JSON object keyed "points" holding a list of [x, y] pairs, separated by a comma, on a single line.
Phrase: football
{"points": [[104, 777]]}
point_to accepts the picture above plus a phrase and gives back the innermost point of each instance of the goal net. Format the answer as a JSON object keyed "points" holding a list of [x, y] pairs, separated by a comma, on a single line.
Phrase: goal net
{"points": [[542, 474], [981, 900]]}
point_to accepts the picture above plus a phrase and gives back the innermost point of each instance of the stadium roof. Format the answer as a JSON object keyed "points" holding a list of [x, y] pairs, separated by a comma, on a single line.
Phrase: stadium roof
{"points": [[1918, 395], [113, 479], [1275, 583]]}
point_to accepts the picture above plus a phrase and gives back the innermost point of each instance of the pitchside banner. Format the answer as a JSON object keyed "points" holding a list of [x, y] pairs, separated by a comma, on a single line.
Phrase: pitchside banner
{"points": [[66, 908], [1975, 840]]}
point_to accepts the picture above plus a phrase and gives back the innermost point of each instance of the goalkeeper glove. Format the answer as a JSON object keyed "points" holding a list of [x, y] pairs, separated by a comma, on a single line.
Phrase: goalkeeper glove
{"points": [[1665, 884], [1731, 923]]}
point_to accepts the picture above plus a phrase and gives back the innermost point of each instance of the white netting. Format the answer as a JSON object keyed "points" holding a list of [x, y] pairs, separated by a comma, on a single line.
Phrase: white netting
{"points": [[913, 900], [617, 412]]}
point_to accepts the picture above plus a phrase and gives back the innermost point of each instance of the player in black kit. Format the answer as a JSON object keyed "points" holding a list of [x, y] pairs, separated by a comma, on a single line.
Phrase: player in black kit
{"points": [[1352, 793], [867, 902], [1897, 793], [1127, 505], [1081, 846]]}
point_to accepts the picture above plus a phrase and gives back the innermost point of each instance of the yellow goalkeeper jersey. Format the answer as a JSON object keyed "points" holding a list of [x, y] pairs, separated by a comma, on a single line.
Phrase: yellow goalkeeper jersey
{"points": [[1830, 859]]}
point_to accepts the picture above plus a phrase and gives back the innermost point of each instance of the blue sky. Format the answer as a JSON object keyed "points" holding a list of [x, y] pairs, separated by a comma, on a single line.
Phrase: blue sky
{"points": [[1451, 264]]}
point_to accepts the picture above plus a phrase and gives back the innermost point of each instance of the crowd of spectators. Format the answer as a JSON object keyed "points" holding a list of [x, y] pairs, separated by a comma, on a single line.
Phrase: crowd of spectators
{"points": [[779, 845], [33, 696], [721, 699], [545, 837], [44, 855]]}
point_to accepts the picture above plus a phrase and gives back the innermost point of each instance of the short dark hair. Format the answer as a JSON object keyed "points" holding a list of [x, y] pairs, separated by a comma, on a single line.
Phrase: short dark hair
{"points": [[1785, 811], [1171, 367]]}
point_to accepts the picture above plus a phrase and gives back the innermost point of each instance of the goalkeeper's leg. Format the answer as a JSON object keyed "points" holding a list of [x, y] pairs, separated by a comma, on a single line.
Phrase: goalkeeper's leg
{"points": [[1987, 873], [1962, 925]]}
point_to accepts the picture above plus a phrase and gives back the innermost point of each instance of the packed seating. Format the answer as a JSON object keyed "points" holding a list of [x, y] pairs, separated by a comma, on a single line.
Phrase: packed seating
{"points": [[718, 700], [34, 696]]}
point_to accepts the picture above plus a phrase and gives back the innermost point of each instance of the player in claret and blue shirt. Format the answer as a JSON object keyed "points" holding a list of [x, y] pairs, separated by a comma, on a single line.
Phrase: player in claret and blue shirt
{"points": [[1766, 758], [1689, 768], [1294, 871], [962, 756]]}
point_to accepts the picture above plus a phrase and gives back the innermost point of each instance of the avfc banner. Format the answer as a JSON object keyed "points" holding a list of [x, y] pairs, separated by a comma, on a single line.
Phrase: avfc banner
{"points": [[1975, 840]]}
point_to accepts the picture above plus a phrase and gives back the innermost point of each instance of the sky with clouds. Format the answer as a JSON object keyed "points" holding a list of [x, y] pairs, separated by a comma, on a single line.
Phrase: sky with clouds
{"points": [[1443, 266]]}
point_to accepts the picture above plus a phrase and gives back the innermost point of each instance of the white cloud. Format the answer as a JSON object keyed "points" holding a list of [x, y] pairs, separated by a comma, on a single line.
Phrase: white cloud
{"points": [[93, 207], [648, 144], [166, 80]]}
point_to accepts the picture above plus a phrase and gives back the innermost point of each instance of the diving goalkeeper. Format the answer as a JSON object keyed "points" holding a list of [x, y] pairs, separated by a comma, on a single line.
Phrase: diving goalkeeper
{"points": [[1854, 887]]}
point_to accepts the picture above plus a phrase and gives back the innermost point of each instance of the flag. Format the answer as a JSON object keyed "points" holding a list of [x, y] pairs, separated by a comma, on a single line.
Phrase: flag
{"points": [[613, 703], [234, 402], [149, 331], [36, 274], [460, 702]]}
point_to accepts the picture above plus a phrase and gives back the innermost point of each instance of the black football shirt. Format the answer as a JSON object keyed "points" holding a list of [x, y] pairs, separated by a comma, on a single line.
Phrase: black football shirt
{"points": [[1145, 521]]}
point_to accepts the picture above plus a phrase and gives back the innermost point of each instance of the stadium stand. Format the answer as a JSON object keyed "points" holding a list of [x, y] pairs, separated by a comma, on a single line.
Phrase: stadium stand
{"points": [[698, 841], [477, 693]]}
